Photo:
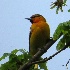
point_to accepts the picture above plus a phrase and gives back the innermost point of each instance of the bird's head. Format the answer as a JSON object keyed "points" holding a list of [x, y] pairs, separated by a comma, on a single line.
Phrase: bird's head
{"points": [[36, 18]]}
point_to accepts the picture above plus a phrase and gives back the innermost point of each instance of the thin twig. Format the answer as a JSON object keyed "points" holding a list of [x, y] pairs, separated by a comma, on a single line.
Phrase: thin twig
{"points": [[27, 65], [46, 59], [67, 63]]}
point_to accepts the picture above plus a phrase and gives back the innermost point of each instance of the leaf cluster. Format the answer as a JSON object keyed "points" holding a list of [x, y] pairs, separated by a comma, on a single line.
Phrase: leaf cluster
{"points": [[58, 4], [17, 60], [64, 30]]}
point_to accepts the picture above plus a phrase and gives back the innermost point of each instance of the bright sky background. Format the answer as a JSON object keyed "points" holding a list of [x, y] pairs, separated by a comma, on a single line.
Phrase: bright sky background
{"points": [[14, 28]]}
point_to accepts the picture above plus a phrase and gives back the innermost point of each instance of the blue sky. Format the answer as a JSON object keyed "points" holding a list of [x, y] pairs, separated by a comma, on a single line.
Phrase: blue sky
{"points": [[14, 28]]}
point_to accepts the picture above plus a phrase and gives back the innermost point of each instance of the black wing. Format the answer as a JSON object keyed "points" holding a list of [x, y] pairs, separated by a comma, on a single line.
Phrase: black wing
{"points": [[29, 40]]}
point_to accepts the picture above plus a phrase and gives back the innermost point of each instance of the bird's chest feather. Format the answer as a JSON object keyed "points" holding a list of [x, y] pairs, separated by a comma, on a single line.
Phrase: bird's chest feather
{"points": [[38, 35], [37, 31]]}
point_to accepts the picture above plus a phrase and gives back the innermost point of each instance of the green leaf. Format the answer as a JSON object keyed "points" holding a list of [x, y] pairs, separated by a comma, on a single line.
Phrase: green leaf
{"points": [[69, 10], [53, 7], [62, 29], [23, 51], [4, 55], [12, 57], [15, 60], [64, 40], [4, 66], [20, 56], [57, 32], [61, 43], [14, 51], [43, 66], [8, 66], [65, 1]]}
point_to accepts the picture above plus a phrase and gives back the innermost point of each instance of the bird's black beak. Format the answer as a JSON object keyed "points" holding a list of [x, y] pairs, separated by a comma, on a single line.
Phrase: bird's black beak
{"points": [[29, 19]]}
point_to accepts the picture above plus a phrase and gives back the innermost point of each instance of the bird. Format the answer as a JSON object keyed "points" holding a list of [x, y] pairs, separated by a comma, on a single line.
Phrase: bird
{"points": [[39, 34]]}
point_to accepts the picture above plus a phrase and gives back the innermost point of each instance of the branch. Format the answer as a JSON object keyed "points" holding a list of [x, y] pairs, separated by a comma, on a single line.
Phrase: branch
{"points": [[27, 65], [67, 64], [46, 59]]}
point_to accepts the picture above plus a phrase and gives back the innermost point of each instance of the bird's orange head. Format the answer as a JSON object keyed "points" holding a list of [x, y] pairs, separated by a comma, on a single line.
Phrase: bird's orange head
{"points": [[36, 18]]}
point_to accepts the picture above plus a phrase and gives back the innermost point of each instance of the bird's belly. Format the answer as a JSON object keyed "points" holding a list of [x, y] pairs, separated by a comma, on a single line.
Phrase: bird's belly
{"points": [[37, 40]]}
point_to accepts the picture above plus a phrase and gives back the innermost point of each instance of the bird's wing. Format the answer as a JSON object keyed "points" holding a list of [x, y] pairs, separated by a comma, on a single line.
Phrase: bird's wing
{"points": [[29, 40]]}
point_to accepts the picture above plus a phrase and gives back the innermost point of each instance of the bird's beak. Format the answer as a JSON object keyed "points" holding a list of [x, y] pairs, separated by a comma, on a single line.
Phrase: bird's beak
{"points": [[28, 18]]}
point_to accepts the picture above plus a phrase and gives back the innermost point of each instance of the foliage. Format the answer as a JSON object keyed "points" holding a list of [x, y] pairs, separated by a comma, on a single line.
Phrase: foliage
{"points": [[58, 4], [16, 60], [69, 10], [64, 30], [42, 65]]}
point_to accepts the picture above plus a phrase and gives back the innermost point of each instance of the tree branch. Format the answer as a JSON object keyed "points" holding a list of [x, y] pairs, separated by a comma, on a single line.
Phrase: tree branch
{"points": [[46, 59], [27, 65]]}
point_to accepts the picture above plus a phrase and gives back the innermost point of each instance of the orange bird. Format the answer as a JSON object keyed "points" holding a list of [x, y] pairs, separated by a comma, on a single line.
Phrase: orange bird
{"points": [[39, 33]]}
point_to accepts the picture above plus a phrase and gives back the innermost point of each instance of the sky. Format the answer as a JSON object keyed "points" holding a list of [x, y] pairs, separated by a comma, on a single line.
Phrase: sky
{"points": [[14, 28]]}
